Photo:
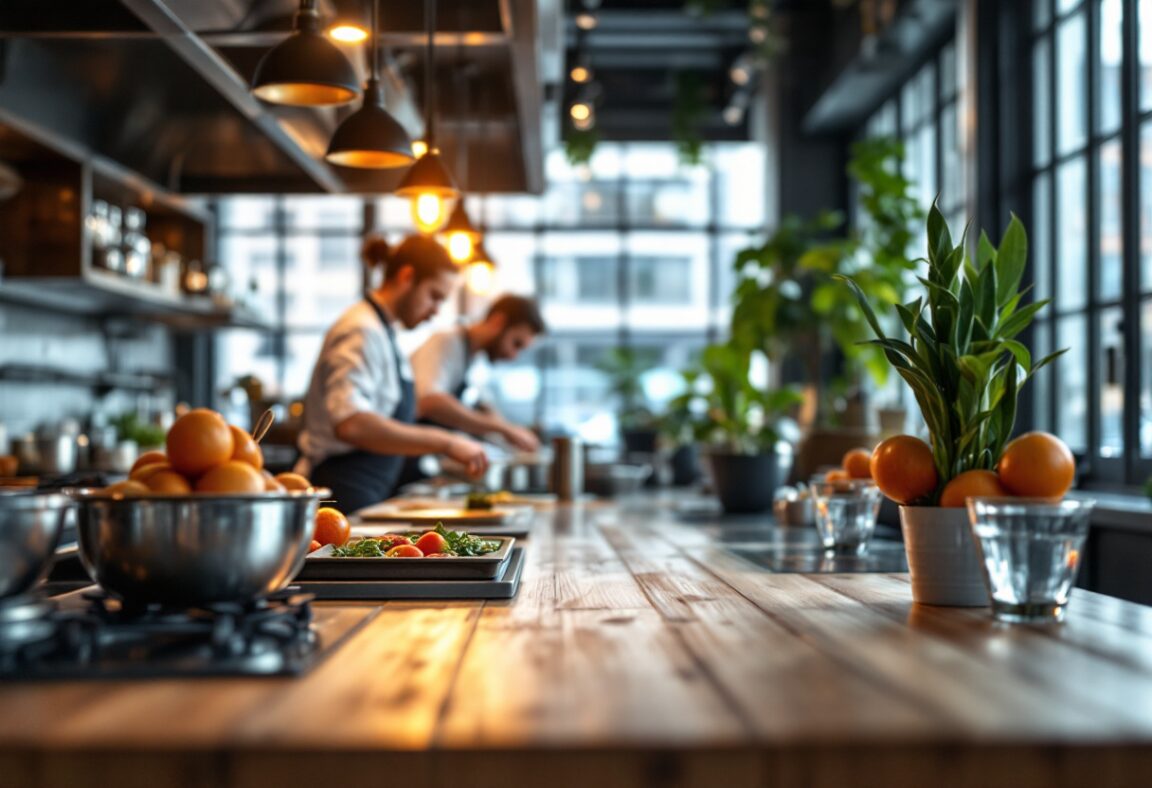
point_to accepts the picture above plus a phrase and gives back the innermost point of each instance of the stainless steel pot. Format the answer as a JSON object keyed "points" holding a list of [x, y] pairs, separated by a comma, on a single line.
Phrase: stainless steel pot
{"points": [[30, 525], [194, 550]]}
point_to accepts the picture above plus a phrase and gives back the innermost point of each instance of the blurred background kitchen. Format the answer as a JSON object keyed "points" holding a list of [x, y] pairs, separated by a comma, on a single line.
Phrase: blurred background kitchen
{"points": [[168, 238]]}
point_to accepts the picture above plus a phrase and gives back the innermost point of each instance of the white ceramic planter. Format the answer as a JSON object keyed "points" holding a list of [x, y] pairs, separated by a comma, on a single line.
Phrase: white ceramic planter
{"points": [[942, 557]]}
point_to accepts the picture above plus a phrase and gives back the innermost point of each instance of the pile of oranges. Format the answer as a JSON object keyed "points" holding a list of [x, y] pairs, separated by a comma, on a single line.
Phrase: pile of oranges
{"points": [[1034, 465], [204, 454]]}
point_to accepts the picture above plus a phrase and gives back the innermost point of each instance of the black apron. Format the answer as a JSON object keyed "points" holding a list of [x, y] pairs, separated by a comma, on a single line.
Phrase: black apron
{"points": [[412, 472], [361, 478]]}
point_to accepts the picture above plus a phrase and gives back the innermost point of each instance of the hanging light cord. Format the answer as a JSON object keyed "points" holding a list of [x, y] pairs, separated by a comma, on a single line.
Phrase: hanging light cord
{"points": [[376, 40], [429, 68]]}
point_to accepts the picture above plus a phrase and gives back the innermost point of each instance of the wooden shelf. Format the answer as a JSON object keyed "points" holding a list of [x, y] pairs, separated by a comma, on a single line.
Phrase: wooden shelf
{"points": [[106, 381], [104, 294]]}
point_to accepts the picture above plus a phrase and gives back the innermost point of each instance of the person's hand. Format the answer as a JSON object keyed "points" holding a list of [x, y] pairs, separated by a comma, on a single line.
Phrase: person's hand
{"points": [[468, 453], [520, 438]]}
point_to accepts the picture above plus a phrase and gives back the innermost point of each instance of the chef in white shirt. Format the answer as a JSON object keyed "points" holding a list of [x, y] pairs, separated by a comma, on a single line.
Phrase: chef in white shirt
{"points": [[360, 408], [452, 369]]}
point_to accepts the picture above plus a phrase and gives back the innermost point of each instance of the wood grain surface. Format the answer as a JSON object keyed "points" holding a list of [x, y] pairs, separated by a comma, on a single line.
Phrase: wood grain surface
{"points": [[638, 653]]}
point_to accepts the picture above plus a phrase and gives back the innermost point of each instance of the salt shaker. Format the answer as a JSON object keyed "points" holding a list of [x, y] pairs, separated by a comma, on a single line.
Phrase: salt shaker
{"points": [[567, 468]]}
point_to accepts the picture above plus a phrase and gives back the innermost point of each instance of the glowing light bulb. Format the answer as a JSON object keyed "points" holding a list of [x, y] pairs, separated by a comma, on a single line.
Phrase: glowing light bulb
{"points": [[428, 212], [580, 74], [580, 111], [481, 277], [460, 247], [586, 20], [348, 34], [419, 148]]}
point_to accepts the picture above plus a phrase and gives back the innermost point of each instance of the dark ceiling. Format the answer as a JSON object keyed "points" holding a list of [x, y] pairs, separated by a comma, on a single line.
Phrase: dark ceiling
{"points": [[641, 49], [161, 87]]}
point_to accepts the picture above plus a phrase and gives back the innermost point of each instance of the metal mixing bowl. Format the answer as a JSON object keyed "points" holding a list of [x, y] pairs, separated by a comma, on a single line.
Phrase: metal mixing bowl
{"points": [[30, 525], [194, 550]]}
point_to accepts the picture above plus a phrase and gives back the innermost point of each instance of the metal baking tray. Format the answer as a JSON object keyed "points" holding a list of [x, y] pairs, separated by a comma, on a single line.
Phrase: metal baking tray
{"points": [[321, 565]]}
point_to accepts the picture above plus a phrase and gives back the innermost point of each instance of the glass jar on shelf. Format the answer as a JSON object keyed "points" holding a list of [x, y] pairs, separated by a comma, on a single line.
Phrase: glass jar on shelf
{"points": [[137, 247]]}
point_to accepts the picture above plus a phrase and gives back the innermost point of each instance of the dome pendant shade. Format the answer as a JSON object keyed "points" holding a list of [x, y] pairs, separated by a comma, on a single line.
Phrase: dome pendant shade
{"points": [[370, 138], [459, 223], [428, 176], [306, 69]]}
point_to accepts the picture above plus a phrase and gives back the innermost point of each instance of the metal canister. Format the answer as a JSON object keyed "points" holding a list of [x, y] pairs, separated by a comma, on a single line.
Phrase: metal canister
{"points": [[567, 468]]}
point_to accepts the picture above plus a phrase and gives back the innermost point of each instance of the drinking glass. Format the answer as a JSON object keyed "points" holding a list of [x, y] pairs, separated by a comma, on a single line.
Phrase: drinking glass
{"points": [[845, 513], [1030, 550]]}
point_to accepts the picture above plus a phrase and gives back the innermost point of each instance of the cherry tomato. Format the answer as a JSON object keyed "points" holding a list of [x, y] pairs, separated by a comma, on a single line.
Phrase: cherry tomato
{"points": [[432, 542], [314, 546], [405, 551], [393, 539]]}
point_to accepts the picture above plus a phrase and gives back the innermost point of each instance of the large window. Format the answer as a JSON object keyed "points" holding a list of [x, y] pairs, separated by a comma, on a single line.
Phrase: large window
{"points": [[1091, 165], [631, 249]]}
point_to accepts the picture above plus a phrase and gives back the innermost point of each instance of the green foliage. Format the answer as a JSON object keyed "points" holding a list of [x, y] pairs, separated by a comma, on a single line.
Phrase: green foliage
{"points": [[130, 427], [580, 145], [688, 113], [625, 366], [963, 361], [787, 299], [720, 407]]}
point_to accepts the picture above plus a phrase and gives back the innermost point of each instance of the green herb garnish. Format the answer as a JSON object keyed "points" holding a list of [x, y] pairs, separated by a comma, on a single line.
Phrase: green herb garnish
{"points": [[362, 548], [459, 544]]}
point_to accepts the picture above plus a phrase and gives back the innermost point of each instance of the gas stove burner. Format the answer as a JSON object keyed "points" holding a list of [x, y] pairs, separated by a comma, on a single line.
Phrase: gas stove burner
{"points": [[25, 620], [105, 638]]}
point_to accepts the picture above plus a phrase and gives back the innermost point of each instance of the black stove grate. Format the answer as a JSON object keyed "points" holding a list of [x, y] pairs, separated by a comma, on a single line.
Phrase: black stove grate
{"points": [[273, 636]]}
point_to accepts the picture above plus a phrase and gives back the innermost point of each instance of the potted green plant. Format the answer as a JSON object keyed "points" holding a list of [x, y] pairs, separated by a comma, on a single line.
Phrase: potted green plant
{"points": [[739, 427], [788, 302], [965, 367]]}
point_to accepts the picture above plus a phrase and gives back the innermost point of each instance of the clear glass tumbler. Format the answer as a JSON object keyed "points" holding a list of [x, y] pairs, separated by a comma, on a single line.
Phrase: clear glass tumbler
{"points": [[845, 513], [1030, 549]]}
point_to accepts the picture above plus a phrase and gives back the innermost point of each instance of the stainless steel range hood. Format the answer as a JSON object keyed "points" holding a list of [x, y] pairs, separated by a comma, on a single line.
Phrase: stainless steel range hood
{"points": [[161, 87]]}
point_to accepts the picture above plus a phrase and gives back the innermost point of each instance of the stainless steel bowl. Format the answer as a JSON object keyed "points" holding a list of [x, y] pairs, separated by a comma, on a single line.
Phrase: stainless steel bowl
{"points": [[196, 549], [30, 525]]}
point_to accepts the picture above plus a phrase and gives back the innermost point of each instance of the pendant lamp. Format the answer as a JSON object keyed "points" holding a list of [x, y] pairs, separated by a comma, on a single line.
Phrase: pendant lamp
{"points": [[459, 234], [306, 69], [370, 138], [480, 275], [428, 183]]}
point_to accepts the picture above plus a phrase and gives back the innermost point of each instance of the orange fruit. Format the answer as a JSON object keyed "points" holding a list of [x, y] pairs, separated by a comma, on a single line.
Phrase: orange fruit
{"points": [[293, 481], [858, 463], [245, 449], [971, 484], [270, 483], [167, 482], [232, 476], [837, 475], [199, 440], [332, 527], [148, 458], [126, 489], [903, 469], [1037, 465], [143, 473]]}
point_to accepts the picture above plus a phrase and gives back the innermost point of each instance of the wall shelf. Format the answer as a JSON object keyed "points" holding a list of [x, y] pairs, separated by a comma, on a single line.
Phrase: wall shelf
{"points": [[101, 381], [103, 294]]}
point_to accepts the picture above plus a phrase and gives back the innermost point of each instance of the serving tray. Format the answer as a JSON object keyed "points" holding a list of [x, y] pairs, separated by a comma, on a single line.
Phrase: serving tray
{"points": [[395, 512], [321, 565], [503, 586]]}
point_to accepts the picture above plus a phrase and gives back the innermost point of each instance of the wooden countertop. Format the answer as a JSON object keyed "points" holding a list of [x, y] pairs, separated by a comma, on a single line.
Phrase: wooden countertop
{"points": [[637, 653]]}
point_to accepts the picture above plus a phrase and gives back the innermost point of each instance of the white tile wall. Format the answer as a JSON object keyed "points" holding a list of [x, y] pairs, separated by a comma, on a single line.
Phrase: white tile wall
{"points": [[34, 336]]}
